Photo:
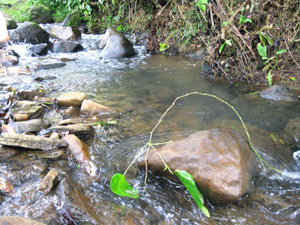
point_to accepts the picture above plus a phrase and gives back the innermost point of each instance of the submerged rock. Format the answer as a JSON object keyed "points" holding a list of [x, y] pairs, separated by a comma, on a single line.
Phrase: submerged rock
{"points": [[65, 33], [70, 112], [51, 154], [66, 47], [91, 108], [278, 93], [6, 153], [80, 151], [71, 99], [38, 50], [47, 62], [49, 181], [220, 161], [293, 128], [74, 206], [14, 220], [30, 141]]}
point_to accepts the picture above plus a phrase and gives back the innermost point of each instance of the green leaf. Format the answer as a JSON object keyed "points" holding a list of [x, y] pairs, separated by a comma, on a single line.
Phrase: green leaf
{"points": [[292, 78], [119, 186], [222, 47], [189, 183], [112, 122], [263, 38], [269, 77], [228, 42], [262, 50], [279, 52], [202, 4], [244, 20]]}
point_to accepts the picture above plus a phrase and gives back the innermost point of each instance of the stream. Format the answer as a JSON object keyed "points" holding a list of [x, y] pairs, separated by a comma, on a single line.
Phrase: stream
{"points": [[140, 89]]}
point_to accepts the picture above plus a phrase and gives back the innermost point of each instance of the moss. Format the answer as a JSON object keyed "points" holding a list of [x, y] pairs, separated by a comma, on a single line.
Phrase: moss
{"points": [[73, 19]]}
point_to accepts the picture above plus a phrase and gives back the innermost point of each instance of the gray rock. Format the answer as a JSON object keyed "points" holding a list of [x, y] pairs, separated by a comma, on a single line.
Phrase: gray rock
{"points": [[38, 50], [6, 153], [30, 95], [9, 57], [65, 33], [278, 93], [51, 154], [34, 125], [47, 62], [220, 161], [70, 112], [31, 142], [40, 14], [118, 46], [108, 33], [30, 33], [66, 47]]}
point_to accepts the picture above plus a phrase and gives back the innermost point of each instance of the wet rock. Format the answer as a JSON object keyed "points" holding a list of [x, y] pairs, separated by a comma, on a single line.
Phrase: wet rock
{"points": [[34, 125], [220, 161], [76, 129], [31, 142], [40, 14], [70, 112], [90, 108], [38, 50], [47, 62], [51, 154], [70, 121], [71, 99], [293, 128], [49, 181], [6, 185], [15, 70], [14, 220], [6, 153], [29, 95], [80, 151], [118, 46], [29, 32], [54, 135], [21, 117], [65, 33], [271, 147], [11, 24], [74, 206], [72, 20], [8, 57], [278, 93], [3, 32], [44, 100], [28, 108], [66, 47], [108, 33]]}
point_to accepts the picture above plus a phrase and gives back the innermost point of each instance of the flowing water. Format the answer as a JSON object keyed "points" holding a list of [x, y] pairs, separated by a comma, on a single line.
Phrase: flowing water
{"points": [[141, 89]]}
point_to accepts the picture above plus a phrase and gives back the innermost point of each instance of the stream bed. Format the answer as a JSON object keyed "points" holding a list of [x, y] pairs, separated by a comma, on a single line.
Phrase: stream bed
{"points": [[140, 89]]}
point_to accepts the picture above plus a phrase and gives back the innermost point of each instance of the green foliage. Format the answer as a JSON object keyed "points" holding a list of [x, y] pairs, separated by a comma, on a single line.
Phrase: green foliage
{"points": [[227, 42], [189, 183], [163, 47], [262, 51], [244, 20], [119, 186], [202, 4], [263, 38]]}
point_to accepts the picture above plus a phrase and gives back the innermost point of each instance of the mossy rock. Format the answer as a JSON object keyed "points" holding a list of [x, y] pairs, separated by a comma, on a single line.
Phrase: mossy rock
{"points": [[40, 14], [72, 20]]}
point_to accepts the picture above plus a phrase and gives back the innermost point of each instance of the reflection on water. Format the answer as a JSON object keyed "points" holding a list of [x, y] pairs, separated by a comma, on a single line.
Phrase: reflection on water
{"points": [[141, 89]]}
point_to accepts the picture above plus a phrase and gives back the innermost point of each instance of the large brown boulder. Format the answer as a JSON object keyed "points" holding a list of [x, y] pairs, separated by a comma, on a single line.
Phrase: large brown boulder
{"points": [[220, 161]]}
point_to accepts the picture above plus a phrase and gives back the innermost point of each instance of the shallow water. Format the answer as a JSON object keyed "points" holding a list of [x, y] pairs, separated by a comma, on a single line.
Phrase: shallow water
{"points": [[141, 89]]}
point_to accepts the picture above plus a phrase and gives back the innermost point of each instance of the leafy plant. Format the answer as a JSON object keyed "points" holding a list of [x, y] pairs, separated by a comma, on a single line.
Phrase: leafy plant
{"points": [[202, 4], [120, 186], [227, 42], [163, 46], [244, 20]]}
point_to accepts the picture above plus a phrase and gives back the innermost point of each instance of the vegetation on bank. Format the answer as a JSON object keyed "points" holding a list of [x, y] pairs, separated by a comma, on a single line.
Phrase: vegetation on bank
{"points": [[254, 41]]}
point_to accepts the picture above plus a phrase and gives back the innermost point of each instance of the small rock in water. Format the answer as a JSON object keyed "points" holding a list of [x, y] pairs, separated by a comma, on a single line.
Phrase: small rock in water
{"points": [[49, 181], [71, 99], [278, 93], [90, 108]]}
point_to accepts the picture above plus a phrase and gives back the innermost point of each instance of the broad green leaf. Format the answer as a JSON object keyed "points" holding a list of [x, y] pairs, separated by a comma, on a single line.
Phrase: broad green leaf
{"points": [[244, 20], [279, 52], [119, 186], [263, 38], [202, 4], [228, 42], [189, 183], [262, 50], [292, 78]]}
